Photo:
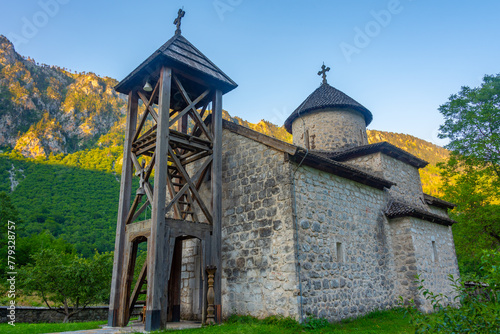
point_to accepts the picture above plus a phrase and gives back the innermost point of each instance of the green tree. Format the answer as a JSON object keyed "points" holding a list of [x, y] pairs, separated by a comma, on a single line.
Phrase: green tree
{"points": [[68, 283], [472, 173], [472, 123]]}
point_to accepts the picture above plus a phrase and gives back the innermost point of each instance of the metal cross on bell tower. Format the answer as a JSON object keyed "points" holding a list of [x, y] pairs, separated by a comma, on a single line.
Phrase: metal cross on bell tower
{"points": [[177, 21], [177, 134]]}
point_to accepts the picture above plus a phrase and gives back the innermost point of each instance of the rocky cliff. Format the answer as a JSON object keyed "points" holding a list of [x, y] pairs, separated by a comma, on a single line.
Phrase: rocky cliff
{"points": [[47, 109]]}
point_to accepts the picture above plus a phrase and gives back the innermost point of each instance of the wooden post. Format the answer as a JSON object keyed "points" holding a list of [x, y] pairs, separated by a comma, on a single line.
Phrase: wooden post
{"points": [[127, 278], [211, 270], [156, 259], [215, 251], [205, 258], [123, 208]]}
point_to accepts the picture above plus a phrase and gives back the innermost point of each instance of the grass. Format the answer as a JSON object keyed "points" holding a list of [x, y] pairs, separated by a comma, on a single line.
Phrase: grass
{"points": [[48, 328], [376, 322]]}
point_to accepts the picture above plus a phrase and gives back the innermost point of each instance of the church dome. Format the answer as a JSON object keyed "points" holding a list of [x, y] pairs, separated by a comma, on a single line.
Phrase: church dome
{"points": [[327, 97], [329, 120]]}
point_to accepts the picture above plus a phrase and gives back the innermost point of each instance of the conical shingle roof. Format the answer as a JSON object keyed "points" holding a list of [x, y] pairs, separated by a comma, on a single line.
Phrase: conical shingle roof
{"points": [[178, 52], [327, 97]]}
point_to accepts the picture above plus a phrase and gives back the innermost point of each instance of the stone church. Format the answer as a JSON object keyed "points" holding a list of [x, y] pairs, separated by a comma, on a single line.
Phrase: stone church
{"points": [[330, 226]]}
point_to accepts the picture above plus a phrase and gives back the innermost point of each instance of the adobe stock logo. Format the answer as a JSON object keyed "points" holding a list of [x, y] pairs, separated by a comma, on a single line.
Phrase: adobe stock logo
{"points": [[224, 6], [31, 26], [363, 37]]}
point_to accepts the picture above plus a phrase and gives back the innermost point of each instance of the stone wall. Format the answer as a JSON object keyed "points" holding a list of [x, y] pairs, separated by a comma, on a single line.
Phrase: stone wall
{"points": [[405, 263], [345, 255], [330, 129], [191, 281], [407, 178], [426, 249], [258, 257], [27, 314], [435, 257]]}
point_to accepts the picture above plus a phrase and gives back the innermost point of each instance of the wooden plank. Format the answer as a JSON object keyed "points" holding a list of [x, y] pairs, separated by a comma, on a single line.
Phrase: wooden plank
{"points": [[202, 112], [195, 115], [147, 133], [123, 208], [192, 187], [176, 197], [216, 253], [141, 210], [195, 157], [151, 110], [177, 209], [146, 111], [205, 255], [190, 105], [175, 141], [138, 285], [183, 227], [156, 263], [127, 278], [190, 200], [135, 204]]}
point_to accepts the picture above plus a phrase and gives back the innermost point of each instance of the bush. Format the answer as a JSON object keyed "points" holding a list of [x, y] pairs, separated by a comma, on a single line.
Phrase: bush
{"points": [[477, 313]]}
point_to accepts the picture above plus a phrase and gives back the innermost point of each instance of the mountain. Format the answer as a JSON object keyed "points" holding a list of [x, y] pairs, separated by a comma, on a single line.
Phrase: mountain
{"points": [[47, 109], [62, 136]]}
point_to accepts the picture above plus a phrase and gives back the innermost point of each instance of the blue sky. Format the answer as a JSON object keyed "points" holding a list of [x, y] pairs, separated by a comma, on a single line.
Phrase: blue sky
{"points": [[400, 59]]}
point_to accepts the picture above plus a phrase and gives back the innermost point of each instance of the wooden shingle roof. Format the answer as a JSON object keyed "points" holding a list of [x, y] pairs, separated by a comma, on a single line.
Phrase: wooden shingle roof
{"points": [[397, 209], [327, 97], [179, 53], [384, 147]]}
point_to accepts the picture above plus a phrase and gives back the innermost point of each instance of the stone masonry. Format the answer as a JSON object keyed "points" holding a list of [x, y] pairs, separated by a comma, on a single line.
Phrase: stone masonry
{"points": [[259, 275], [331, 227], [331, 130], [344, 249]]}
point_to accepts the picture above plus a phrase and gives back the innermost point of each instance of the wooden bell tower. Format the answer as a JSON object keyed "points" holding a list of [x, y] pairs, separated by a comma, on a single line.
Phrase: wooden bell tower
{"points": [[174, 147]]}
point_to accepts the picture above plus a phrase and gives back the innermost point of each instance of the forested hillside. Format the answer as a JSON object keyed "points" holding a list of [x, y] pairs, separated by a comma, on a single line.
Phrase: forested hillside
{"points": [[62, 135], [431, 180]]}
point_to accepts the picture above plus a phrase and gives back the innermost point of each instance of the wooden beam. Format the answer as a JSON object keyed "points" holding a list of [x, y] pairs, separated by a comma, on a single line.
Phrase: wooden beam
{"points": [[146, 112], [135, 204], [216, 253], [192, 187], [198, 177], [191, 105], [138, 286], [123, 208], [156, 243], [151, 110], [171, 189], [141, 210], [127, 278], [196, 116]]}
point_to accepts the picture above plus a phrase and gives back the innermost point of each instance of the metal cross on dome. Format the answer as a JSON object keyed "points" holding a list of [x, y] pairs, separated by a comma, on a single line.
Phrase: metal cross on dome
{"points": [[177, 21], [323, 71]]}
